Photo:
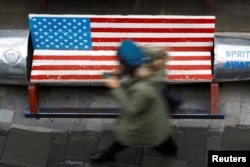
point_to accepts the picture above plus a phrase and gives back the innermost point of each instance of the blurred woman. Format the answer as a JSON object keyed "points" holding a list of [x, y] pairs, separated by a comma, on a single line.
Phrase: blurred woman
{"points": [[144, 119]]}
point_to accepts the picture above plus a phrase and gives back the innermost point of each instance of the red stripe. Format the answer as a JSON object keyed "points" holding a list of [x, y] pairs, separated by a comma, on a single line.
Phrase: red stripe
{"points": [[189, 77], [64, 77], [68, 57], [97, 77], [188, 67], [155, 30], [74, 67], [191, 48], [190, 58], [154, 39], [153, 20], [110, 58], [110, 67]]}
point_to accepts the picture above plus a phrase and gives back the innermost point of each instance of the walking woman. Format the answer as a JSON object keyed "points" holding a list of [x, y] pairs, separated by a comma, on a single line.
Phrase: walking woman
{"points": [[144, 118]]}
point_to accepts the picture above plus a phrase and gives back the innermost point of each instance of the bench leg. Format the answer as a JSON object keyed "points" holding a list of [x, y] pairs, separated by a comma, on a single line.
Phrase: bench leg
{"points": [[214, 98], [33, 96]]}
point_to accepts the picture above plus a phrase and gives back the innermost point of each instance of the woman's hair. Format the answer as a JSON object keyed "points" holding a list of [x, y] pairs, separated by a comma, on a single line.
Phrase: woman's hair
{"points": [[129, 69]]}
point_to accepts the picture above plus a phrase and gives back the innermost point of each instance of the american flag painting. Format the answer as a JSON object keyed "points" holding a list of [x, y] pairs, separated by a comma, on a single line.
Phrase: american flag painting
{"points": [[79, 48]]}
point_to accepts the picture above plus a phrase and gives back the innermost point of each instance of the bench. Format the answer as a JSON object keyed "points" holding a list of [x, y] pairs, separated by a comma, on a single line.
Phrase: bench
{"points": [[77, 49]]}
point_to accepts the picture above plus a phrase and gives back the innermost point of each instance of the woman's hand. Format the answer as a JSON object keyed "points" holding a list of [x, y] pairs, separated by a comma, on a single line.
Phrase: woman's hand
{"points": [[112, 82]]}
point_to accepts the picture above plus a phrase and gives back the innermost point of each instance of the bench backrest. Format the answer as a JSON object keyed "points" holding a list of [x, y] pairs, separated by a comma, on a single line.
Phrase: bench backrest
{"points": [[79, 48]]}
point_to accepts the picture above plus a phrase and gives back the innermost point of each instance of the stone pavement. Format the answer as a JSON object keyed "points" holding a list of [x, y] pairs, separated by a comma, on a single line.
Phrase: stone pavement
{"points": [[67, 142], [25, 148]]}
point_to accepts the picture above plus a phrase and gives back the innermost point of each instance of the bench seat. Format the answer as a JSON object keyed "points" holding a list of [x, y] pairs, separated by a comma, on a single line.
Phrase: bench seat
{"points": [[78, 48]]}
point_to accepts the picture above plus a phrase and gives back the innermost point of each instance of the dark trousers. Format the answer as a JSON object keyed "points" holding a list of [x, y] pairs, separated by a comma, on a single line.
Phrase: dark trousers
{"points": [[114, 148], [167, 147]]}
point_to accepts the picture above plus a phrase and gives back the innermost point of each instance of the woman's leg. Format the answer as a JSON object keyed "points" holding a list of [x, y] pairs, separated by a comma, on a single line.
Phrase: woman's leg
{"points": [[108, 153], [168, 147]]}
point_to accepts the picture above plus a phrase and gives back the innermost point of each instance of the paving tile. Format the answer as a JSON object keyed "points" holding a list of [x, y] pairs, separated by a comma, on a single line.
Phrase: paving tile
{"points": [[63, 97], [85, 95], [81, 145], [58, 162], [110, 164], [191, 144], [235, 138], [57, 124], [27, 148], [214, 141], [79, 124], [152, 161], [3, 90], [197, 164], [94, 124], [1, 99], [59, 145], [6, 116], [245, 113], [3, 139], [8, 165], [75, 163], [57, 157], [108, 124], [129, 157], [15, 99], [3, 132], [2, 144], [55, 162], [57, 150], [44, 94]]}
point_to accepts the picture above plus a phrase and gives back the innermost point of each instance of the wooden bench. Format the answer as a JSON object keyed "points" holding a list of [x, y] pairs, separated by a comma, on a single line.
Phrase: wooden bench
{"points": [[77, 49]]}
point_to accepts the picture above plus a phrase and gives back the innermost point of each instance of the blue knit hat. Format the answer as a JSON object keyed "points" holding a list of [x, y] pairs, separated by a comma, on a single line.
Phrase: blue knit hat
{"points": [[130, 54]]}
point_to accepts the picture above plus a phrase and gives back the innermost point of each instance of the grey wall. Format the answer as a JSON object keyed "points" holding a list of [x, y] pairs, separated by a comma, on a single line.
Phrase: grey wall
{"points": [[232, 15]]}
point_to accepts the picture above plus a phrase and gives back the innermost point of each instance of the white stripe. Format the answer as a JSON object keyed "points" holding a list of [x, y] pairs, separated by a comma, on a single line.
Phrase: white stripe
{"points": [[99, 72], [73, 62], [74, 52], [176, 54], [96, 63], [188, 72], [105, 53], [159, 44], [124, 16], [150, 35], [90, 62], [67, 72], [189, 62], [152, 25], [73, 81]]}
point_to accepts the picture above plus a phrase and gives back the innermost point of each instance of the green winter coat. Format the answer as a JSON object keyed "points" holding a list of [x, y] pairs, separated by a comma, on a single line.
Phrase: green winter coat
{"points": [[144, 119]]}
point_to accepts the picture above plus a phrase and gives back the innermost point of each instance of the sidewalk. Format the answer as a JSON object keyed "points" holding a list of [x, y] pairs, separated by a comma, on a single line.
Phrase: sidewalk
{"points": [[24, 148], [67, 142]]}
